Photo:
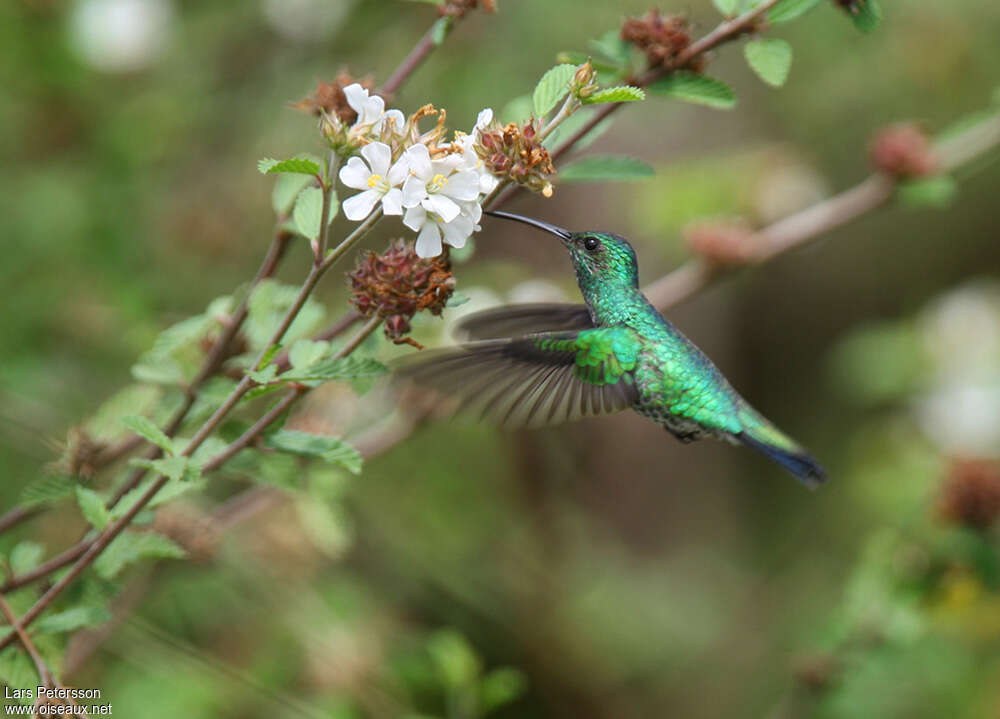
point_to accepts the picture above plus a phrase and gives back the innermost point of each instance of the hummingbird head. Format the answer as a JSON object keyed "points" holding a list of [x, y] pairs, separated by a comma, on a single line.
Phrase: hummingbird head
{"points": [[600, 257]]}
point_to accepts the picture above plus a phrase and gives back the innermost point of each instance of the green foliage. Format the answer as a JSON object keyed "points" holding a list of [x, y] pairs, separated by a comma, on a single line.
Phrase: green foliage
{"points": [[267, 306], [936, 192], [176, 356], [145, 428], [517, 110], [178, 468], [293, 165], [501, 687], [17, 671], [441, 28], [135, 399], [46, 489], [129, 547], [552, 88], [867, 15], [308, 211], [70, 620], [173, 489], [325, 447], [787, 10], [92, 507], [286, 190], [728, 8], [606, 168], [24, 557], [456, 662], [611, 46], [623, 93], [265, 375], [692, 87], [306, 352], [337, 368], [770, 59]]}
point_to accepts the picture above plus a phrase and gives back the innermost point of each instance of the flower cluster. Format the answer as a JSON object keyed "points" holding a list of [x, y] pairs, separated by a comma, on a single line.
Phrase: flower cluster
{"points": [[660, 38], [903, 151], [435, 186], [516, 152], [397, 284]]}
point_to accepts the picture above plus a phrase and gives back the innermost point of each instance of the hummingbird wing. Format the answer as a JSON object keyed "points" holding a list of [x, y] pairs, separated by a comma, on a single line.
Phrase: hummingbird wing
{"points": [[525, 319], [538, 379]]}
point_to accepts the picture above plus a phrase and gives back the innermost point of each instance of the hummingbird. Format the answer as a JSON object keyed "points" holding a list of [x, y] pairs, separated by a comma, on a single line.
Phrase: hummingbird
{"points": [[537, 364]]}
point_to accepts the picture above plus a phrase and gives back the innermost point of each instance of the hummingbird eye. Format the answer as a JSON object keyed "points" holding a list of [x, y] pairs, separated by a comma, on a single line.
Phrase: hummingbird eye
{"points": [[590, 244]]}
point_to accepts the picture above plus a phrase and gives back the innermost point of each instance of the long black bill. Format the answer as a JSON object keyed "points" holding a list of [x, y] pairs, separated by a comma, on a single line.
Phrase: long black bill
{"points": [[557, 231]]}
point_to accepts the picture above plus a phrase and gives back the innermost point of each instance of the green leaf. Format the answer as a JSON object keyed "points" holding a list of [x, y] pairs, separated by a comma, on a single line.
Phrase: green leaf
{"points": [[337, 368], [168, 492], [129, 547], [306, 352], [144, 427], [294, 165], [92, 507], [457, 299], [46, 490], [440, 29], [606, 168], [500, 687], [866, 15], [263, 376], [937, 192], [787, 10], [178, 468], [24, 557], [692, 87], [18, 672], [286, 189], [517, 110], [770, 59], [307, 212], [72, 619], [728, 8], [325, 447], [551, 88], [611, 45], [272, 352], [456, 662], [624, 93]]}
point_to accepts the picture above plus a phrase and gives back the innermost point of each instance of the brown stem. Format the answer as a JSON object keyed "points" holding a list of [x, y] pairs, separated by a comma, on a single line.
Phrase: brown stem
{"points": [[29, 646], [16, 516], [425, 45], [57, 562]]}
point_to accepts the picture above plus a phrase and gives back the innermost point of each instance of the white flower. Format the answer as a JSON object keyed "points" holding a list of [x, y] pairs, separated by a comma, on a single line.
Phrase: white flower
{"points": [[433, 229], [438, 185], [470, 160], [377, 179], [371, 110]]}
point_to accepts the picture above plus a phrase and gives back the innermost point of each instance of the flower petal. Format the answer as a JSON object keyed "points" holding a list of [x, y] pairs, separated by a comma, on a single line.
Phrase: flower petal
{"points": [[379, 157], [485, 118], [472, 210], [414, 191], [392, 202], [356, 97], [444, 207], [420, 161], [358, 207], [415, 217], [429, 241], [456, 233], [396, 118], [462, 185], [355, 174], [399, 171], [487, 182]]}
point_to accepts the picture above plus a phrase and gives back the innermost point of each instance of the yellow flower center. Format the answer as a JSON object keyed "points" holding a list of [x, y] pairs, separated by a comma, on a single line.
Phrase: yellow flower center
{"points": [[375, 180], [437, 182]]}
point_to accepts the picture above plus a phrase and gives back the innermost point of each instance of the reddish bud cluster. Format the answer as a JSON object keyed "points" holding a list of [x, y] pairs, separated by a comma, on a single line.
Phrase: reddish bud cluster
{"points": [[397, 284], [660, 38], [515, 152], [329, 98], [851, 6], [970, 496], [458, 8], [903, 151], [721, 243]]}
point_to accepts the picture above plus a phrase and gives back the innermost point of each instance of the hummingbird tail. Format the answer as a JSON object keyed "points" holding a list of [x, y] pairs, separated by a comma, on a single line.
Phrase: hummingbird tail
{"points": [[774, 445]]}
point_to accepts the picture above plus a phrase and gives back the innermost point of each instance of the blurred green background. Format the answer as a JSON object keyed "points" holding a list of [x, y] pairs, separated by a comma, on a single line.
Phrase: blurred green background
{"points": [[594, 570]]}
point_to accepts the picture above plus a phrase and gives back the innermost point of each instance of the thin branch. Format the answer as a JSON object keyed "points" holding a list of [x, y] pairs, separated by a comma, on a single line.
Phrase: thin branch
{"points": [[424, 47], [29, 646]]}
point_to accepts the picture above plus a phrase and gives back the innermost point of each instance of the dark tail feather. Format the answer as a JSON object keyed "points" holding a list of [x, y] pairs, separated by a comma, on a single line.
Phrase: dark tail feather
{"points": [[804, 467]]}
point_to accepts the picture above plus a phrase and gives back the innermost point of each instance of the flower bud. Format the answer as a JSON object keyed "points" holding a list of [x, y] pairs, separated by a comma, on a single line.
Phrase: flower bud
{"points": [[660, 38], [903, 151], [514, 152], [583, 84]]}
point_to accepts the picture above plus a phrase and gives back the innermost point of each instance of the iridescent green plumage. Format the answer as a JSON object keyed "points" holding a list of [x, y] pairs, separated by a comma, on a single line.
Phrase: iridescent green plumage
{"points": [[529, 365]]}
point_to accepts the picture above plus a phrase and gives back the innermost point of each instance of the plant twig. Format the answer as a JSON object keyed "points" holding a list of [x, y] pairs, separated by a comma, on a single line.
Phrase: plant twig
{"points": [[44, 675]]}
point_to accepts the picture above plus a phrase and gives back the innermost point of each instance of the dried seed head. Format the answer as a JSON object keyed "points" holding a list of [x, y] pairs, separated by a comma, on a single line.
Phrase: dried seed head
{"points": [[721, 243], [397, 284], [329, 98], [514, 152], [659, 38], [903, 151], [970, 496]]}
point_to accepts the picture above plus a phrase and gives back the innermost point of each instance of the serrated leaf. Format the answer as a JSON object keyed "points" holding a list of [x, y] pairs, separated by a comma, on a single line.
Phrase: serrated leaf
{"points": [[92, 507], [787, 10], [552, 88], [270, 354], [770, 59], [937, 192], [611, 45], [439, 30], [307, 212], [293, 165], [728, 8], [24, 557], [263, 376], [624, 93], [866, 14], [337, 368], [46, 490], [306, 352], [178, 468], [129, 547], [145, 428], [71, 620], [286, 189], [692, 87], [168, 492], [325, 447], [606, 168]]}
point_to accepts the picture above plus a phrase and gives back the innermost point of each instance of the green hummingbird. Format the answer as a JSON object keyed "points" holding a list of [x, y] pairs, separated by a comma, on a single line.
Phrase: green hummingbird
{"points": [[537, 364]]}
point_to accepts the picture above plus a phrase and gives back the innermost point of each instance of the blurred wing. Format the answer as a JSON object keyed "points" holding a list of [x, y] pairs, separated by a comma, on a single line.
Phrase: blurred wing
{"points": [[520, 320], [536, 380]]}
